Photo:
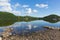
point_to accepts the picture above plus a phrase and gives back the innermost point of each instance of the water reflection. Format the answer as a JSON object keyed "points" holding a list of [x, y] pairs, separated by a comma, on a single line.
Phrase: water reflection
{"points": [[7, 23], [28, 27], [51, 21]]}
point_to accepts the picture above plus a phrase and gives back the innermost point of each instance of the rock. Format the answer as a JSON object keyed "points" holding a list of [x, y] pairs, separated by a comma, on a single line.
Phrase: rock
{"points": [[7, 32], [49, 27], [1, 38], [39, 35]]}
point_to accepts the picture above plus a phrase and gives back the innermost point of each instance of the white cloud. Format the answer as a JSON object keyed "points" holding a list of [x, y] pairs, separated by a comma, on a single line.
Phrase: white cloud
{"points": [[25, 6], [17, 4], [35, 11], [4, 0], [6, 6], [42, 5], [17, 13], [30, 11]]}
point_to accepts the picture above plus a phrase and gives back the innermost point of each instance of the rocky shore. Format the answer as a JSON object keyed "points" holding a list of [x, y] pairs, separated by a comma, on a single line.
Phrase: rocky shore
{"points": [[49, 34]]}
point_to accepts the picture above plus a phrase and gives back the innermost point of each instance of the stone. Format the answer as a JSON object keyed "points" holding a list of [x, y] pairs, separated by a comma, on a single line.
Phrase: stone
{"points": [[0, 38]]}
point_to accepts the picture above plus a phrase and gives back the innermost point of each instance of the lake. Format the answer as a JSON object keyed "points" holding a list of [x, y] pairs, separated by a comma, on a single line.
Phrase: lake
{"points": [[32, 26]]}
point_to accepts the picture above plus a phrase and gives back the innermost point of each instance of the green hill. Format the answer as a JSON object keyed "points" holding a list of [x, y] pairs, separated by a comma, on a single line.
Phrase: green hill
{"points": [[52, 18], [7, 18]]}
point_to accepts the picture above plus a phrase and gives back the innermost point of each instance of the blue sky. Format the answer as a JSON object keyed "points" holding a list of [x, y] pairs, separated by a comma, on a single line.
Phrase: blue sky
{"points": [[36, 8]]}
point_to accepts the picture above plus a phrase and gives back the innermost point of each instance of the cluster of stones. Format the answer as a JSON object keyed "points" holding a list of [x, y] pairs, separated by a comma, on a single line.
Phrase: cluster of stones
{"points": [[39, 35], [7, 33]]}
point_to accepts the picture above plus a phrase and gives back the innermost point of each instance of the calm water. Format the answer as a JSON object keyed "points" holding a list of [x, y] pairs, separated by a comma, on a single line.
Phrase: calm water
{"points": [[32, 26]]}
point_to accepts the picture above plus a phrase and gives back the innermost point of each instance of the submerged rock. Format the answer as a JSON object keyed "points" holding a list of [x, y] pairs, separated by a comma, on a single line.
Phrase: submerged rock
{"points": [[7, 32], [39, 35]]}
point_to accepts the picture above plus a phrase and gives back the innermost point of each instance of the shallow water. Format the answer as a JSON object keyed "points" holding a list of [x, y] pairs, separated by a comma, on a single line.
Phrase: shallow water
{"points": [[32, 26]]}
